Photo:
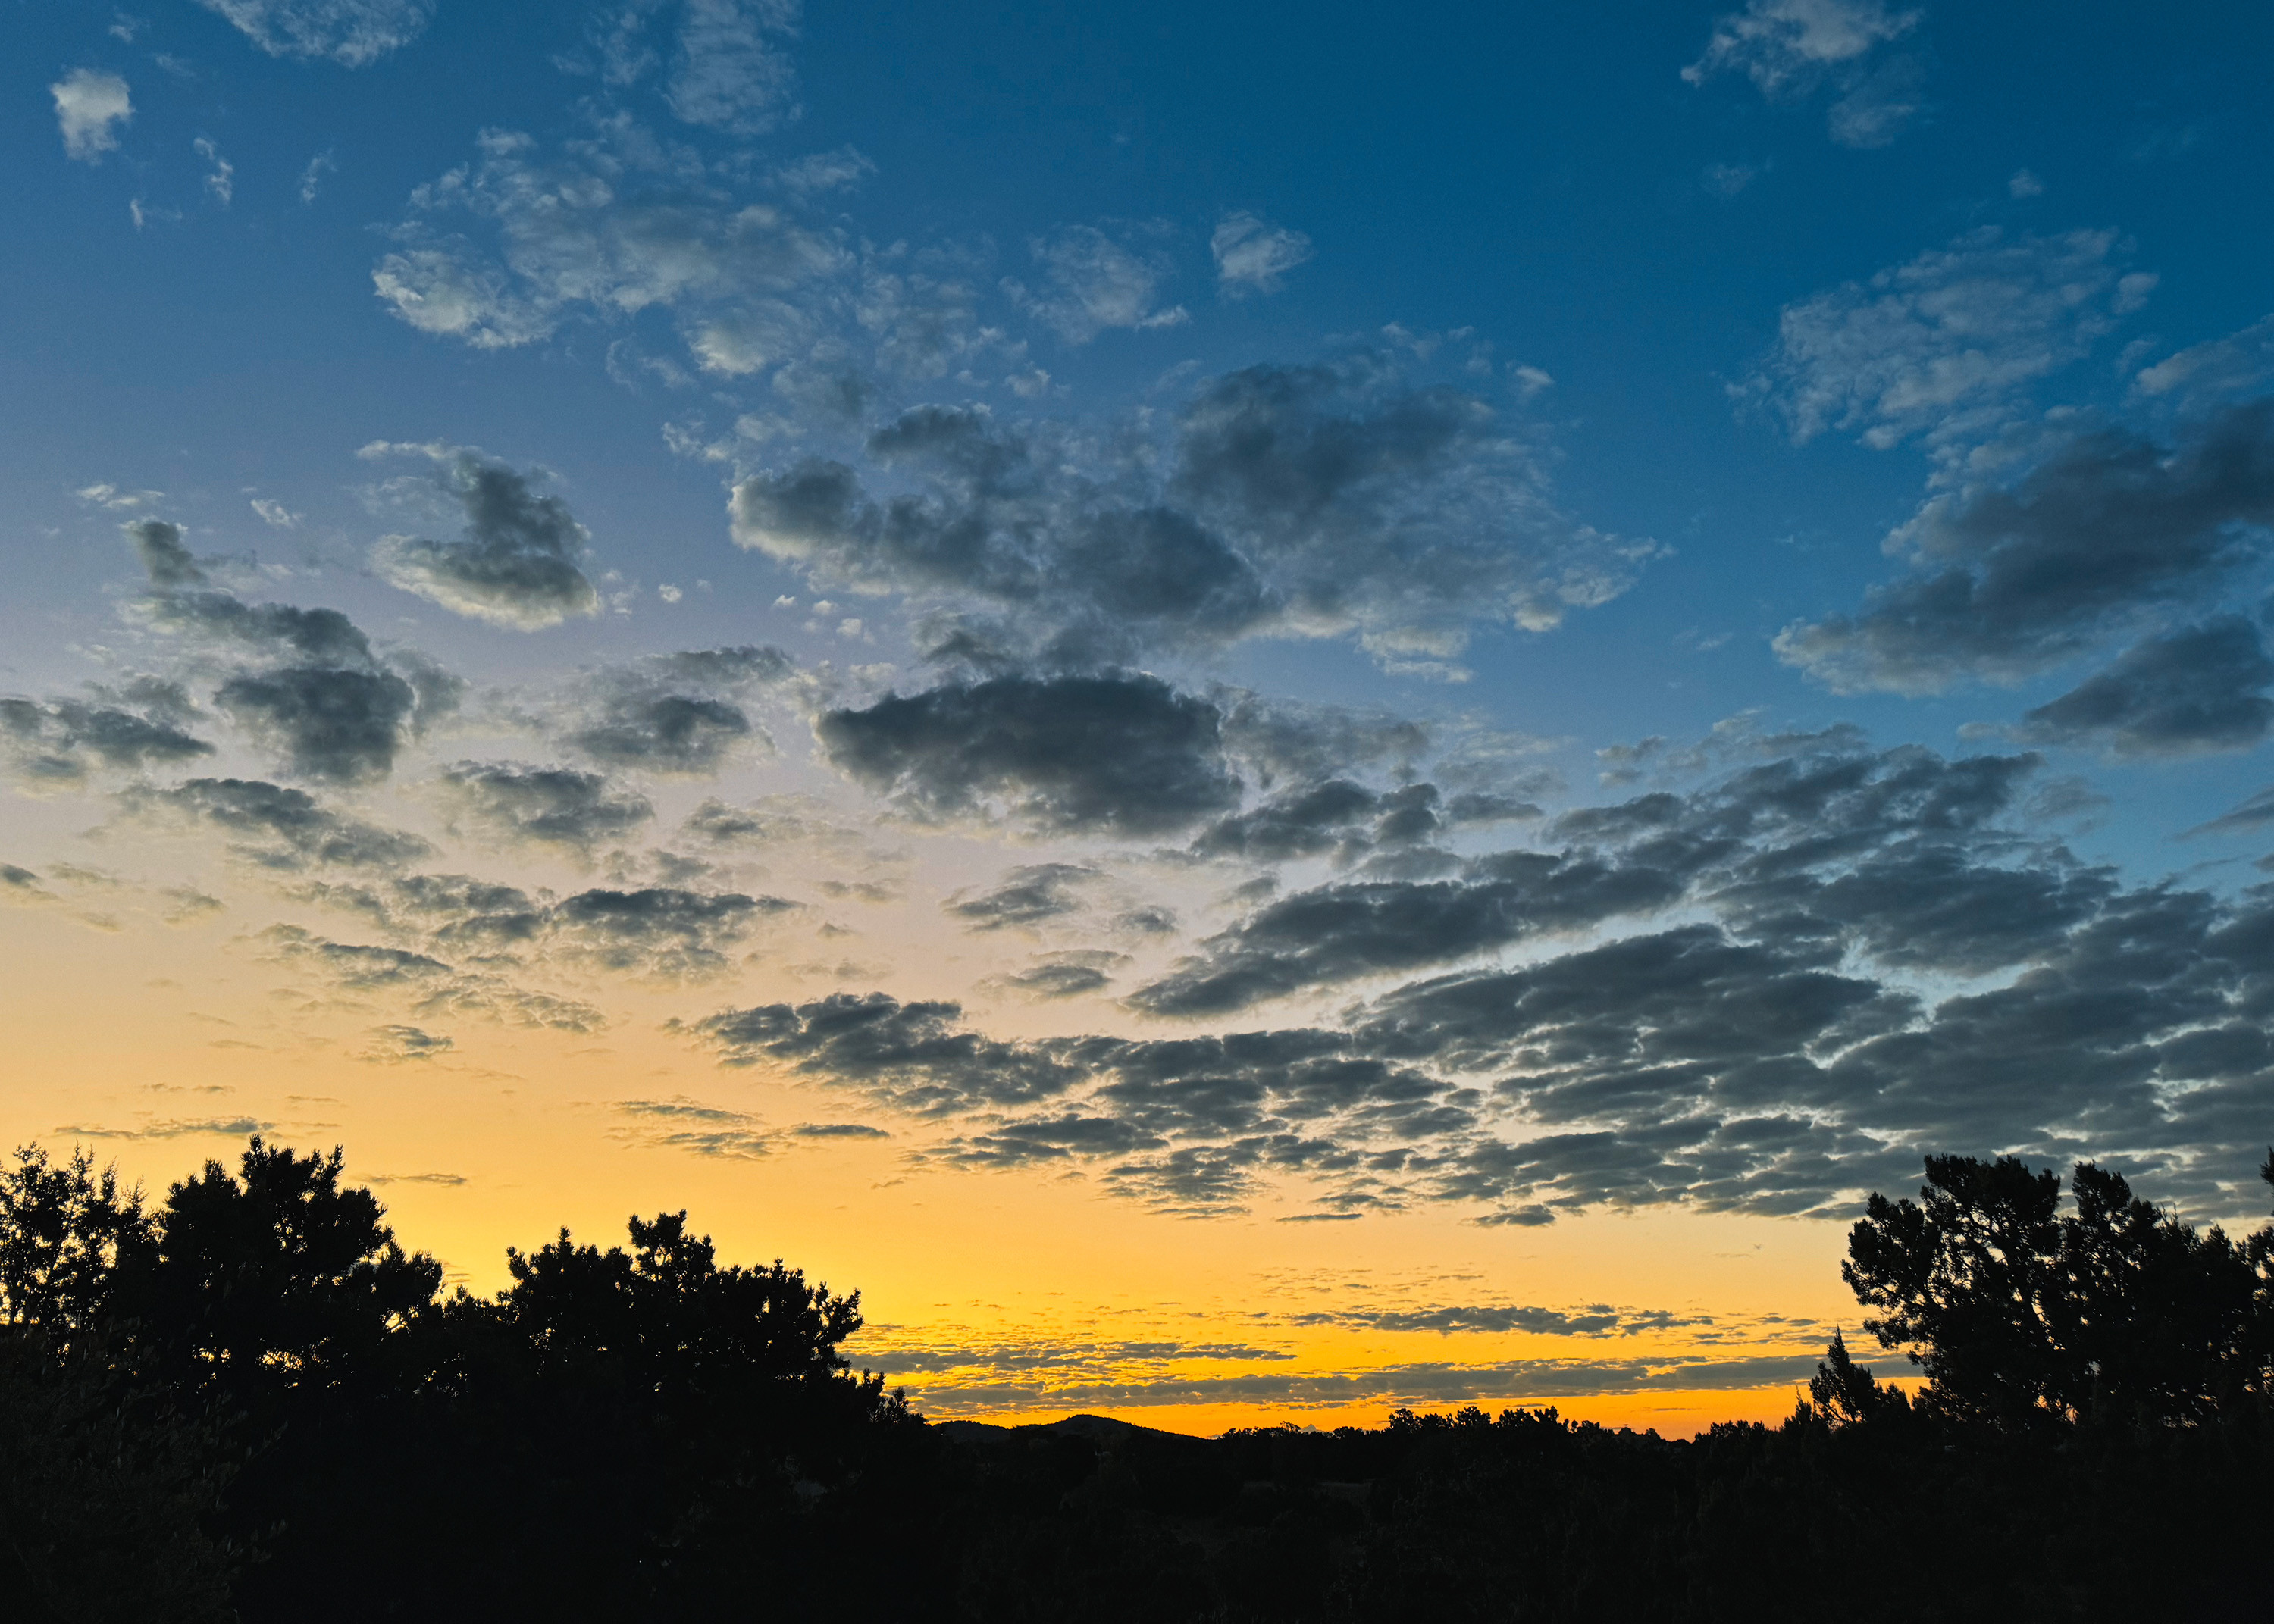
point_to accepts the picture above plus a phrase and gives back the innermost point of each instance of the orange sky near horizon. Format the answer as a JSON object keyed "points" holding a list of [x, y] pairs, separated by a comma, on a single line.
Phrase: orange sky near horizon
{"points": [[988, 1296]]}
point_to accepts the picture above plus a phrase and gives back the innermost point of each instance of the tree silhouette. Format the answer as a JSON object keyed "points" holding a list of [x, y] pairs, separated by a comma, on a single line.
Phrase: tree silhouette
{"points": [[1846, 1393], [71, 1241], [2020, 1316], [285, 1280], [669, 1317]]}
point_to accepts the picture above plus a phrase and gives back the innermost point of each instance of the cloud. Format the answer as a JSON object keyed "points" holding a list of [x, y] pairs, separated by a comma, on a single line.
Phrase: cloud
{"points": [[342, 726], [1780, 43], [1335, 815], [1343, 931], [320, 697], [89, 108], [23, 885], [1942, 345], [175, 1128], [1067, 974], [543, 806], [221, 177], [729, 73], [1091, 283], [312, 177], [1025, 897], [281, 828], [1594, 1320], [1252, 256], [355, 33], [2236, 363], [825, 171], [664, 732], [677, 713], [394, 1045], [1401, 513], [663, 933], [702, 1130], [1314, 501], [659, 932], [777, 821], [1793, 47], [1008, 528], [2106, 528], [911, 1056], [2200, 688], [158, 546], [1878, 107], [428, 986], [1115, 754], [60, 742], [607, 226], [518, 565], [1868, 960]]}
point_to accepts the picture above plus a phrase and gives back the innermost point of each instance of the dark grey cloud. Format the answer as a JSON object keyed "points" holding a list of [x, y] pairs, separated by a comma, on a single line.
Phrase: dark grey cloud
{"points": [[683, 714], [1285, 741], [1005, 524], [2198, 689], [1114, 754], [660, 933], [517, 564], [342, 726], [279, 827], [60, 741], [657, 933], [2254, 813], [164, 558], [427, 987], [316, 694], [1319, 818], [1025, 896], [913, 1057], [1594, 1320], [2014, 580], [1870, 959], [543, 806], [1339, 932], [450, 913], [1319, 500], [702, 1130], [1923, 906], [174, 1128], [664, 733], [1067, 974]]}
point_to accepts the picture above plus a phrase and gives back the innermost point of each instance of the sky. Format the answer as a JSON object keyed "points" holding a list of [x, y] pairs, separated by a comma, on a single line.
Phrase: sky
{"points": [[1262, 711]]}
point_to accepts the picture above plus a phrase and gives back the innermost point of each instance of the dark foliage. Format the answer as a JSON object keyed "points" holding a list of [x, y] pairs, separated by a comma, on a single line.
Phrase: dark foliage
{"points": [[2020, 1316], [250, 1402]]}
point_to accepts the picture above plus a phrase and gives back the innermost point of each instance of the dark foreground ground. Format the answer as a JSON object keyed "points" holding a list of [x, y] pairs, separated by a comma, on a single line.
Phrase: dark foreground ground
{"points": [[252, 1404]]}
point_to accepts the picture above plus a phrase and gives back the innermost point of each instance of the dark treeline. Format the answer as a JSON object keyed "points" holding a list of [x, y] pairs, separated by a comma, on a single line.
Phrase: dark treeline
{"points": [[248, 1402]]}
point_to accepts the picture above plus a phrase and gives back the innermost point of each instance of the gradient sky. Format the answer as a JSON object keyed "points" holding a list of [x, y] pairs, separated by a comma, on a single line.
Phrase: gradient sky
{"points": [[1263, 710]]}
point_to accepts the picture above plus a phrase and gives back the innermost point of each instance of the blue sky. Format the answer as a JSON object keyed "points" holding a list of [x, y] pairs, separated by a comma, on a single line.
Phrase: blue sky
{"points": [[1171, 522]]}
